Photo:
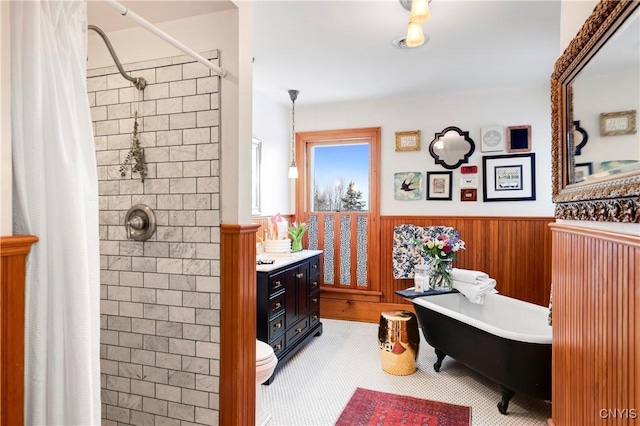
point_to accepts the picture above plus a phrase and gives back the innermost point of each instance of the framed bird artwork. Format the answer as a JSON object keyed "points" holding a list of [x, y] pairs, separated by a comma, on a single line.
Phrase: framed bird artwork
{"points": [[407, 186]]}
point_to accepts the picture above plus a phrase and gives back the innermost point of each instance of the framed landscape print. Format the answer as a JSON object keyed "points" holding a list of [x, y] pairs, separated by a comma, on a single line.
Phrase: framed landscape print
{"points": [[439, 185], [509, 177]]}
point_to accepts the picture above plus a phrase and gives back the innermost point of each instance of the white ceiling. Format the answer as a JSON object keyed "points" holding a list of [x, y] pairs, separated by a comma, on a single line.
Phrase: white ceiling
{"points": [[339, 51]]}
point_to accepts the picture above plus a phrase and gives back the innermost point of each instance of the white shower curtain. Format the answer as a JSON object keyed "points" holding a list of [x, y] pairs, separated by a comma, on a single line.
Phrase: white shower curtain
{"points": [[56, 199]]}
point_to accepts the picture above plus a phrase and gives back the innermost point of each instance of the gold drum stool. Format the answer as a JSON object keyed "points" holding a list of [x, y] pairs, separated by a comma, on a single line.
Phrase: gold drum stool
{"points": [[398, 342]]}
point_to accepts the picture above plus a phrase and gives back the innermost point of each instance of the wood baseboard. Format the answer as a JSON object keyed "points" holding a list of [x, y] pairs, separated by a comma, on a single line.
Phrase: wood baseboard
{"points": [[355, 310]]}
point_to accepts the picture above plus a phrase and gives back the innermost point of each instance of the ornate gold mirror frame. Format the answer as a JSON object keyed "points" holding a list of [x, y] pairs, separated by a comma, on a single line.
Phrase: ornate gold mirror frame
{"points": [[614, 198]]}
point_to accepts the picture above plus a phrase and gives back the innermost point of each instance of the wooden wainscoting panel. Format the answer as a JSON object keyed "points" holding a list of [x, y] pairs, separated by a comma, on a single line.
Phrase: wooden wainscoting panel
{"points": [[516, 251], [357, 310], [596, 327], [13, 252], [263, 221], [238, 324]]}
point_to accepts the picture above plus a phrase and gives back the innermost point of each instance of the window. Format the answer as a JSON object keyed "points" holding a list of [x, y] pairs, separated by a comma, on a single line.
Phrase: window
{"points": [[340, 177]]}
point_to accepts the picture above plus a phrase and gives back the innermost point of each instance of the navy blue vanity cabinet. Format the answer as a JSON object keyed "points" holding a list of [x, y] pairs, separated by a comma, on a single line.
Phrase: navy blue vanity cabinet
{"points": [[288, 307]]}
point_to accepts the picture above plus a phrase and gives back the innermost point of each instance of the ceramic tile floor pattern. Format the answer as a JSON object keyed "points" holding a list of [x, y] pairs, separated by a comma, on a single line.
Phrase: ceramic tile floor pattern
{"points": [[315, 385]]}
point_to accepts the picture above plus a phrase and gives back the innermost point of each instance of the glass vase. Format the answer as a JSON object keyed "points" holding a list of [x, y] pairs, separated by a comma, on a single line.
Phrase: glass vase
{"points": [[440, 274], [296, 243]]}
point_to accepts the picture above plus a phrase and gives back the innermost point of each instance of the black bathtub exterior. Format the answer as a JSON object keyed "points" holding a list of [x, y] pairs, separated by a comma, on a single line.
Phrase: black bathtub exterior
{"points": [[518, 367]]}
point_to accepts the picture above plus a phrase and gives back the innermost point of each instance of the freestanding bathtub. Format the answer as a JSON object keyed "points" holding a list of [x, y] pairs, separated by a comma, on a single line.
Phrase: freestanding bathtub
{"points": [[505, 339]]}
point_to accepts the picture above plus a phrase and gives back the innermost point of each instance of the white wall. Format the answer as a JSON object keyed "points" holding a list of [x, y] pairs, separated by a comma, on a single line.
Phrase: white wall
{"points": [[230, 32], [430, 115], [573, 13], [6, 216], [272, 125]]}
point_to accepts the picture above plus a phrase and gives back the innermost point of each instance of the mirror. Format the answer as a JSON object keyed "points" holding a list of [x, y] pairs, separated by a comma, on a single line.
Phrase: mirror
{"points": [[594, 91], [451, 147]]}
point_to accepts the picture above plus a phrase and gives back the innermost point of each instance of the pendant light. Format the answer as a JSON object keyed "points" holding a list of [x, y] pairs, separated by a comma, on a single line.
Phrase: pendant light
{"points": [[415, 36], [293, 169], [420, 12]]}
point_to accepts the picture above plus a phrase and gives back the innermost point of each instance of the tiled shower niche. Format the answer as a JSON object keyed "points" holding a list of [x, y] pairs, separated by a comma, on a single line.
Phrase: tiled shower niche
{"points": [[160, 299]]}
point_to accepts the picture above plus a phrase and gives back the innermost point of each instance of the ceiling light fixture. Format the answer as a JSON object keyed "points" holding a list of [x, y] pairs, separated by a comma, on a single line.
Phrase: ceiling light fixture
{"points": [[293, 170], [420, 13], [415, 36]]}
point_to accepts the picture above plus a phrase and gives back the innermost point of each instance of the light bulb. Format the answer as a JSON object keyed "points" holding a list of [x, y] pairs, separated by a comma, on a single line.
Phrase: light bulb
{"points": [[420, 12], [293, 171], [415, 36]]}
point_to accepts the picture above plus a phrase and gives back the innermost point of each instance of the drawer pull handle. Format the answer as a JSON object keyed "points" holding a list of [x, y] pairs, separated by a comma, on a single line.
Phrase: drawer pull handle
{"points": [[298, 330], [277, 347], [277, 284], [315, 317], [278, 305], [314, 300], [314, 266], [300, 275], [278, 325], [315, 284]]}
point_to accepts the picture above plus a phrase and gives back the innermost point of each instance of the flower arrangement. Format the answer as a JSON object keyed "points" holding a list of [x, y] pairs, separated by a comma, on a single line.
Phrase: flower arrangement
{"points": [[296, 231], [442, 246], [441, 250]]}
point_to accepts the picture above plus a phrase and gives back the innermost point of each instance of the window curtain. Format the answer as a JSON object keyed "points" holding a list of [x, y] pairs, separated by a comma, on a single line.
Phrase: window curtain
{"points": [[56, 198]]}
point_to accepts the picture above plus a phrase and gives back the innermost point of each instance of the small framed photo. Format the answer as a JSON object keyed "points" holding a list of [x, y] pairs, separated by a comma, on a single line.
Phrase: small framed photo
{"points": [[468, 194], [408, 141], [439, 185], [618, 123], [509, 177], [519, 138], [469, 181], [582, 170], [492, 138]]}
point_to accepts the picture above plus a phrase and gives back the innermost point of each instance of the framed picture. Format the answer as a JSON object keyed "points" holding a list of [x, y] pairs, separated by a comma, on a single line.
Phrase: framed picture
{"points": [[407, 186], [618, 123], [509, 177], [492, 138], [469, 181], [408, 141], [519, 138], [581, 170], [468, 194], [439, 185]]}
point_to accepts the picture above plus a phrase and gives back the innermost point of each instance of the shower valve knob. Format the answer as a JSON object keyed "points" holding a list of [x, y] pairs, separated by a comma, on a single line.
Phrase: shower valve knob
{"points": [[140, 222]]}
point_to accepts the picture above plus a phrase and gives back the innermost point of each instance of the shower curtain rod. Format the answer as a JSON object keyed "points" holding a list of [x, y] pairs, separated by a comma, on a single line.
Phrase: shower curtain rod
{"points": [[124, 11]]}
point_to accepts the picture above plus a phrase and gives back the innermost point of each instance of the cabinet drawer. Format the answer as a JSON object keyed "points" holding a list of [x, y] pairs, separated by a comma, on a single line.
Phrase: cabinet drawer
{"points": [[276, 305], [314, 318], [314, 303], [314, 284], [314, 267], [276, 284], [278, 345], [276, 326], [297, 331]]}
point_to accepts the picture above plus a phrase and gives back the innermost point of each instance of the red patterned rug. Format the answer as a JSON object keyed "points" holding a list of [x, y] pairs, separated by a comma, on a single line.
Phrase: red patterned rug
{"points": [[367, 407]]}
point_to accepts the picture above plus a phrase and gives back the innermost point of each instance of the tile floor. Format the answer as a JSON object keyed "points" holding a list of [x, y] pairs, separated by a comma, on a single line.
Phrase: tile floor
{"points": [[315, 385]]}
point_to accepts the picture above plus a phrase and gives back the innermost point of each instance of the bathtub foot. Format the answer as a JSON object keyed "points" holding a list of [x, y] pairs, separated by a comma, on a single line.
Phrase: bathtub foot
{"points": [[506, 397], [438, 363]]}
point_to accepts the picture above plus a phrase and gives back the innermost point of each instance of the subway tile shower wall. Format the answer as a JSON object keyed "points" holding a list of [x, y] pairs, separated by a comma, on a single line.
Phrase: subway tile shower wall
{"points": [[160, 299]]}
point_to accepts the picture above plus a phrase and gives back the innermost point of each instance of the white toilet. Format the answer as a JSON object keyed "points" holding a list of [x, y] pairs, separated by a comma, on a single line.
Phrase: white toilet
{"points": [[266, 362]]}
